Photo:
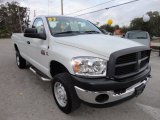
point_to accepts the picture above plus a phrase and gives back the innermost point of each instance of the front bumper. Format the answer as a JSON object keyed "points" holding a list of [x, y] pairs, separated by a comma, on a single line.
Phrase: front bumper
{"points": [[90, 96], [111, 91]]}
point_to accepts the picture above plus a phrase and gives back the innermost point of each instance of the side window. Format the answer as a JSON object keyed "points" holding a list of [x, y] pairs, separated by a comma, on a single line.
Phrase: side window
{"points": [[38, 23]]}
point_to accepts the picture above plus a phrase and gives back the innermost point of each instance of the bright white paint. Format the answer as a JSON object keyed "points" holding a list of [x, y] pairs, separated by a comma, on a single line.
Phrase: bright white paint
{"points": [[63, 49]]}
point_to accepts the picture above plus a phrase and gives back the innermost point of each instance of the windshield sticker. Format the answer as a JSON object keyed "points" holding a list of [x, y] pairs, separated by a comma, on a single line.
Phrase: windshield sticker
{"points": [[51, 19]]}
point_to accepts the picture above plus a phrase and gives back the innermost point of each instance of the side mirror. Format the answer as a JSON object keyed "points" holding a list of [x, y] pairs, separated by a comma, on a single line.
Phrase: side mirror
{"points": [[32, 33]]}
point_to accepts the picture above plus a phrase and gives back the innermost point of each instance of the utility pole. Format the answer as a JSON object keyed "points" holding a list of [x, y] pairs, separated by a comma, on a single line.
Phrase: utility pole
{"points": [[20, 20], [48, 7], [34, 13], [61, 7], [28, 19]]}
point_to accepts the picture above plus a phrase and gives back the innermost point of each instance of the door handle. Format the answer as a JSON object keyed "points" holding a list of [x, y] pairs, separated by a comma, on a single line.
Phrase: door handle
{"points": [[28, 42]]}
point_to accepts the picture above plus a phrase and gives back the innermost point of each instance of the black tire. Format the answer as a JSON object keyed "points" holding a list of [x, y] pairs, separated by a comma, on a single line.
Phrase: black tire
{"points": [[21, 62], [73, 101]]}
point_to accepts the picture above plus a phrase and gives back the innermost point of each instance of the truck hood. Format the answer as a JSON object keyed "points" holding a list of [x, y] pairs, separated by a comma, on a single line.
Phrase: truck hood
{"points": [[97, 43]]}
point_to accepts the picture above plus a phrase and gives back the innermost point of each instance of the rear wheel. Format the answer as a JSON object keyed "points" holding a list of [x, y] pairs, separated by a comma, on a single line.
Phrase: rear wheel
{"points": [[21, 62], [64, 93]]}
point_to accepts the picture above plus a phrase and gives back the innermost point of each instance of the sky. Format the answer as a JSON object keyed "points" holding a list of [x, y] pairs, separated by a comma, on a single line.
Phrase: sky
{"points": [[121, 15]]}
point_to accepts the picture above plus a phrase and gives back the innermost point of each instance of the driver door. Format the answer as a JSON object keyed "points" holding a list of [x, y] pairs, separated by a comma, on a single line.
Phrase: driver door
{"points": [[37, 48]]}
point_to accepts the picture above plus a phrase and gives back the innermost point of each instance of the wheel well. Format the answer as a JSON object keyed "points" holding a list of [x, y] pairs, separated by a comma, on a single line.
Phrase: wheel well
{"points": [[16, 48], [56, 68]]}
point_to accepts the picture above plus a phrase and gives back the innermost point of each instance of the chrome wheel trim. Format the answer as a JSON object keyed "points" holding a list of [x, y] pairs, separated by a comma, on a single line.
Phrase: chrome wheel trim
{"points": [[17, 59], [60, 94]]}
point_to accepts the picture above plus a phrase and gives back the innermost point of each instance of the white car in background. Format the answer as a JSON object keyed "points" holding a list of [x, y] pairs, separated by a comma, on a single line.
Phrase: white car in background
{"points": [[142, 37]]}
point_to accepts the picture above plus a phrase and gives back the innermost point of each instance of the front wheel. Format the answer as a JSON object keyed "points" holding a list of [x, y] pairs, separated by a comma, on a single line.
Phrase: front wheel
{"points": [[64, 93], [21, 62]]}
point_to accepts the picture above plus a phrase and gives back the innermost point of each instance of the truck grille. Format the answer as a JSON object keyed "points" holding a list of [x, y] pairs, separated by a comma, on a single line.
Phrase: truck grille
{"points": [[126, 58], [127, 65]]}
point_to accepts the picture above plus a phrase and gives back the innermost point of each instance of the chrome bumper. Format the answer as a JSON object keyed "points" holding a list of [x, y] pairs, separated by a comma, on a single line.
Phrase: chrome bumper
{"points": [[90, 96]]}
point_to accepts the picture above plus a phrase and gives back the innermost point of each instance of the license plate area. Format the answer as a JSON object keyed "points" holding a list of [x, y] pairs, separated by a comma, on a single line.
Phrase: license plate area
{"points": [[139, 89]]}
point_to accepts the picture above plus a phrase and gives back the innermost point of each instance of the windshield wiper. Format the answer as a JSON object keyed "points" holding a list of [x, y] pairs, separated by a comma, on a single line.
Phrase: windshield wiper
{"points": [[91, 32], [66, 32], [76, 32]]}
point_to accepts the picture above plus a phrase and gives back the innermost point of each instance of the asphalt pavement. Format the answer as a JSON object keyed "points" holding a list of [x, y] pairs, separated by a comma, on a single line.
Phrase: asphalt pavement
{"points": [[23, 96]]}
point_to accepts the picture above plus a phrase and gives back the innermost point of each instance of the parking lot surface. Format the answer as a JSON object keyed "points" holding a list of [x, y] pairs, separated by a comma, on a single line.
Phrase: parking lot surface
{"points": [[23, 96]]}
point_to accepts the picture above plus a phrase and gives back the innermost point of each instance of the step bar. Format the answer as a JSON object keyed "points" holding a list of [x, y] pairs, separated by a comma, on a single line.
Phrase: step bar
{"points": [[46, 79]]}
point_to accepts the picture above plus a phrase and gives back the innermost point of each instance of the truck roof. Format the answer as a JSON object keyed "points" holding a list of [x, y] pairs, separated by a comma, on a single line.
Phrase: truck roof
{"points": [[44, 16]]}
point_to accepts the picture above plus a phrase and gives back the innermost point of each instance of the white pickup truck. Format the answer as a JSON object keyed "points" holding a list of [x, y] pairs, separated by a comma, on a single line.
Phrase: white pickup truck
{"points": [[83, 64]]}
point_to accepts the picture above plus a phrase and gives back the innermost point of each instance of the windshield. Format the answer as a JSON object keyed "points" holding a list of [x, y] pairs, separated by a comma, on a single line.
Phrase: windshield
{"points": [[137, 35], [61, 26]]}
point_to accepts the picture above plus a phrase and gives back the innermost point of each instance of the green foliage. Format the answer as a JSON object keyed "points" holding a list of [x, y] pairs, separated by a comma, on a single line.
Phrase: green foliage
{"points": [[108, 28], [9, 18], [124, 29], [4, 33], [153, 26]]}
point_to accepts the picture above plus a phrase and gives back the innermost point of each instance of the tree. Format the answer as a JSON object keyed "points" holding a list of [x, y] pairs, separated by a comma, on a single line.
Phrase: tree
{"points": [[108, 28], [153, 26], [14, 17], [124, 29]]}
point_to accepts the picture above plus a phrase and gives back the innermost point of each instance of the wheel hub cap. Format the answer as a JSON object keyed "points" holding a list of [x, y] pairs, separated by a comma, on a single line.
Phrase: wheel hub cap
{"points": [[18, 60], [60, 94]]}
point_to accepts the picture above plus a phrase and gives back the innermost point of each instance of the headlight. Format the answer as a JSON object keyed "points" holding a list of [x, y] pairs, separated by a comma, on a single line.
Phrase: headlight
{"points": [[89, 66]]}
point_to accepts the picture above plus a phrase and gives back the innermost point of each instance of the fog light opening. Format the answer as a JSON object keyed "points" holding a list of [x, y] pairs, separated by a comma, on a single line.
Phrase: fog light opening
{"points": [[102, 98]]}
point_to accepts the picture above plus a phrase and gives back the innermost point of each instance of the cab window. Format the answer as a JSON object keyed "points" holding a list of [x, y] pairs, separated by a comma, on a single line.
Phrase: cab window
{"points": [[38, 23]]}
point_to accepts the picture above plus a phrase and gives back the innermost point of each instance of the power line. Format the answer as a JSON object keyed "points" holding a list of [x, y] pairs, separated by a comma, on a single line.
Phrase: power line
{"points": [[108, 7], [90, 7]]}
